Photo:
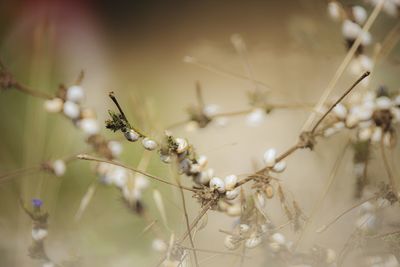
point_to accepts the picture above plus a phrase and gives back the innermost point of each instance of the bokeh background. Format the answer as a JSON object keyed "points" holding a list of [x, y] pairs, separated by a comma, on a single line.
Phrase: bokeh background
{"points": [[136, 48]]}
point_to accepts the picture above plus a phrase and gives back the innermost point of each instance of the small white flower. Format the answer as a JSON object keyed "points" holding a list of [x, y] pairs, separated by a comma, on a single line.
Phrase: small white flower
{"points": [[71, 110], [334, 10], [149, 144], [279, 167], [159, 245], [278, 238], [340, 111], [256, 117], [252, 242], [53, 105], [230, 182], [270, 157], [75, 94], [217, 183], [350, 30], [39, 234], [59, 167], [360, 14], [383, 102], [89, 126], [131, 135], [182, 145], [115, 148], [232, 194]]}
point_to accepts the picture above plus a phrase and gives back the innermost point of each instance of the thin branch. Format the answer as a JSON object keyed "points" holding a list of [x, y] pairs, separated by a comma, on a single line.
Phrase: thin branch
{"points": [[90, 158]]}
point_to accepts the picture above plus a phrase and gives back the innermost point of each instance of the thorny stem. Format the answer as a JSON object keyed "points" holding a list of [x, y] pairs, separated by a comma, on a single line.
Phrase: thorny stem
{"points": [[387, 168], [90, 158], [366, 74]]}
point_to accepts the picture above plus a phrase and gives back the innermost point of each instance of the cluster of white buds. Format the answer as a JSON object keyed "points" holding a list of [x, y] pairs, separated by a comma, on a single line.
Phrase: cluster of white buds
{"points": [[391, 7], [372, 114], [270, 160], [353, 19], [69, 103]]}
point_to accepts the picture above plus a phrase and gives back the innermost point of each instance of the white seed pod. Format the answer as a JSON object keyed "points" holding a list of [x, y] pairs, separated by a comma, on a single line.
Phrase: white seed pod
{"points": [[383, 102], [252, 242], [75, 94], [350, 30], [39, 234], [217, 183], [231, 242], [278, 238], [71, 110], [279, 167], [365, 134], [330, 256], [159, 245], [377, 135], [360, 14], [89, 126], [256, 117], [141, 182], [53, 105], [205, 176], [244, 228], [334, 10], [340, 111], [270, 157], [59, 167], [131, 135], [234, 210], [230, 182], [149, 144], [232, 194], [115, 147], [182, 145], [352, 120], [329, 131]]}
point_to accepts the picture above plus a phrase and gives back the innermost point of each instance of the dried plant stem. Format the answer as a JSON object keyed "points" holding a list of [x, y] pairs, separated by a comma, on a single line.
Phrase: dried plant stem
{"points": [[29, 170], [392, 180], [365, 74], [389, 42], [215, 251], [342, 67], [326, 226], [90, 158], [35, 93]]}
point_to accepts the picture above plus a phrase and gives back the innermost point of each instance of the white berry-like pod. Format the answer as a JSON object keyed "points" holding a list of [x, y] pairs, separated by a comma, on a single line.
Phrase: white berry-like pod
{"points": [[131, 135], [159, 245], [230, 182], [340, 111], [53, 105], [71, 110], [141, 182], [377, 135], [218, 184], [334, 10], [89, 126], [278, 238], [365, 134], [182, 145], [232, 194], [360, 14], [270, 157], [75, 94], [352, 120], [231, 242], [256, 117], [244, 228], [115, 147], [252, 242], [234, 210], [39, 234], [383, 102], [59, 167], [149, 144], [350, 30], [279, 167]]}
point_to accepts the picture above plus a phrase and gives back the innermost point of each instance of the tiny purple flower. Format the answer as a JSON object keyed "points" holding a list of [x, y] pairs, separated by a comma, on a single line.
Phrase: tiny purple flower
{"points": [[37, 203]]}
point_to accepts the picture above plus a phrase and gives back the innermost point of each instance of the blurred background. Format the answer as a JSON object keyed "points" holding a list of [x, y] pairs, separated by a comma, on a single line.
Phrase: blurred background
{"points": [[136, 48]]}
